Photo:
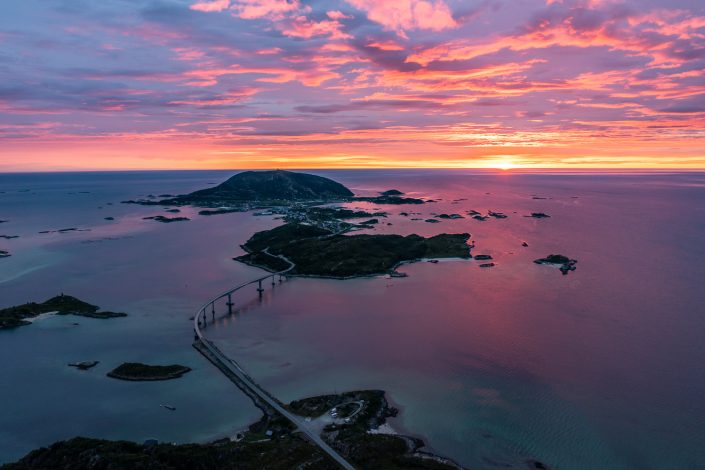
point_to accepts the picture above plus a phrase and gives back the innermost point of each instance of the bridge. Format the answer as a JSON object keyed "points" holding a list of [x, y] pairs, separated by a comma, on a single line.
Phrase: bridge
{"points": [[261, 398]]}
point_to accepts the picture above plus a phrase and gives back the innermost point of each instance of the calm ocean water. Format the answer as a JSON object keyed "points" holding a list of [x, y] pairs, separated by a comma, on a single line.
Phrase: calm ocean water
{"points": [[603, 368]]}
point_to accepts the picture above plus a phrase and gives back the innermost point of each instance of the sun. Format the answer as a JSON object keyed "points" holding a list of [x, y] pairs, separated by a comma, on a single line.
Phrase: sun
{"points": [[504, 165]]}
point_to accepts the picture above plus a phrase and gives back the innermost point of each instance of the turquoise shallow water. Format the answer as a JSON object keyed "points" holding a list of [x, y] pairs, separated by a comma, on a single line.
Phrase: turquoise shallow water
{"points": [[602, 368]]}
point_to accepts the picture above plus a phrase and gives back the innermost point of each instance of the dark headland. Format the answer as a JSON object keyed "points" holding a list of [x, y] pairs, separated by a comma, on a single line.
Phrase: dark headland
{"points": [[271, 443]]}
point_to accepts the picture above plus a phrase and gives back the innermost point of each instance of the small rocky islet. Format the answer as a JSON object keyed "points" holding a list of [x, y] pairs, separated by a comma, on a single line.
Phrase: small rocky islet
{"points": [[566, 264], [135, 371], [84, 365], [166, 220], [12, 317]]}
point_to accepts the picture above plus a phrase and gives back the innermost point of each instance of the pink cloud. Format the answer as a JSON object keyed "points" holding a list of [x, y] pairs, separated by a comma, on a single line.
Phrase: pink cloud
{"points": [[214, 5], [302, 27], [338, 15], [401, 15]]}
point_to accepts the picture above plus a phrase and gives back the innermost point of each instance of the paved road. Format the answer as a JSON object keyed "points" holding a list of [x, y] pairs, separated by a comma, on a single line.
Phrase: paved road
{"points": [[233, 367]]}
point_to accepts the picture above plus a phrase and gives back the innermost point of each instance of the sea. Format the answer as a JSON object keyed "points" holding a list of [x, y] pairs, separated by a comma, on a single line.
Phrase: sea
{"points": [[603, 368]]}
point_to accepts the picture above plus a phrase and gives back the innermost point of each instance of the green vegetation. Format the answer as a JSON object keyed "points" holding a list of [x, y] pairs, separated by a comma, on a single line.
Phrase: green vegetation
{"points": [[61, 304], [286, 453], [316, 406], [264, 261], [352, 440], [317, 252], [270, 186], [270, 443], [328, 213], [136, 371], [392, 192], [278, 238]]}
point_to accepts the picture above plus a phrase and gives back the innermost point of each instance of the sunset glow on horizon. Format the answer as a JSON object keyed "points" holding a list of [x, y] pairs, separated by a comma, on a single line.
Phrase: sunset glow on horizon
{"points": [[210, 84]]}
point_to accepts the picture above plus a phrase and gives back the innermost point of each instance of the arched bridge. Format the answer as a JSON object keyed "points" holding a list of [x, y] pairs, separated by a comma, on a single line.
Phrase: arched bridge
{"points": [[262, 399]]}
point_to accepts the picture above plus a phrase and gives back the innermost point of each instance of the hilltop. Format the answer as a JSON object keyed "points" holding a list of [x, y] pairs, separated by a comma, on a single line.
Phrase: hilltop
{"points": [[275, 185]]}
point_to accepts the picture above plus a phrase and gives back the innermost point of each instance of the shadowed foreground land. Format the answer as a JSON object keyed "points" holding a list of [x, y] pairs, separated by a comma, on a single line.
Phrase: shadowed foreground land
{"points": [[269, 443]]}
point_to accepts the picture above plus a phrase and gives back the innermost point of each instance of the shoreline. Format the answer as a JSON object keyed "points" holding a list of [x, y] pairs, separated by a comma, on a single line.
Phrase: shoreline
{"points": [[359, 276]]}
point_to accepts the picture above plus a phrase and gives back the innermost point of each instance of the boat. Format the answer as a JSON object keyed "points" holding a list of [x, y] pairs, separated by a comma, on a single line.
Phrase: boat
{"points": [[170, 408]]}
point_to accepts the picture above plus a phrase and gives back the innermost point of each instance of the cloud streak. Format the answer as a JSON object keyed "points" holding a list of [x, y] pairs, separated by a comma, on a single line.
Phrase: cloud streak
{"points": [[261, 83]]}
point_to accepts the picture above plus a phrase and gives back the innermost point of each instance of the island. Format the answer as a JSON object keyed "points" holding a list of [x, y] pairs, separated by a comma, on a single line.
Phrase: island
{"points": [[386, 199], [566, 264], [136, 371], [352, 423], [265, 189], [4, 254], [84, 365], [220, 211], [19, 315], [267, 186], [316, 251], [166, 220]]}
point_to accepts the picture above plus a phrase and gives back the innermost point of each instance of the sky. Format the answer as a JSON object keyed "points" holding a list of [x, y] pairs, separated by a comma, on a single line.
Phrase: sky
{"points": [[202, 84]]}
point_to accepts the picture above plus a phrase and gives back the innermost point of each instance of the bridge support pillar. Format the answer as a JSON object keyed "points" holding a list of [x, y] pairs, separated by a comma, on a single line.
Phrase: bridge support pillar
{"points": [[213, 310], [260, 289], [230, 304]]}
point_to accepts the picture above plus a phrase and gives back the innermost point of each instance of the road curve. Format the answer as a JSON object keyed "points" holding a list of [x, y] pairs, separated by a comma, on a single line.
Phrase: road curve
{"points": [[226, 364]]}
